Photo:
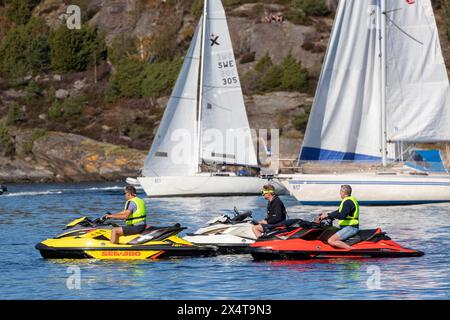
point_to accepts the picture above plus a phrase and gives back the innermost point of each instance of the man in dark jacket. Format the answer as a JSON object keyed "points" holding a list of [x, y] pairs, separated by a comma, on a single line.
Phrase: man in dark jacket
{"points": [[276, 212]]}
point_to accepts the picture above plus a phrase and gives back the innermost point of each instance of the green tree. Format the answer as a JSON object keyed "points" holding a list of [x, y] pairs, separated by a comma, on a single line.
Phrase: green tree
{"points": [[24, 49], [7, 146], [13, 52], [18, 11], [271, 79], [38, 56], [299, 10], [128, 77], [264, 64], [76, 50], [294, 77], [15, 114], [312, 7], [68, 109], [159, 78]]}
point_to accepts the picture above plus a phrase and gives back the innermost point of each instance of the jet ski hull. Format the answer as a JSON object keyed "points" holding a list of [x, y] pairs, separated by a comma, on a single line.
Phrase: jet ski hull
{"points": [[300, 240], [226, 244], [298, 249], [126, 253], [94, 243]]}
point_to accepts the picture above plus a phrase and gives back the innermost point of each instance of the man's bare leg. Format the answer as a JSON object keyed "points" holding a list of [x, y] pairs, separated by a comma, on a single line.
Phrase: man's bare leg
{"points": [[335, 241], [115, 234]]}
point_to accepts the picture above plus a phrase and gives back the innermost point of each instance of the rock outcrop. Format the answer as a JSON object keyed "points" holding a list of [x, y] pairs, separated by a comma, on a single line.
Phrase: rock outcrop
{"points": [[66, 157]]}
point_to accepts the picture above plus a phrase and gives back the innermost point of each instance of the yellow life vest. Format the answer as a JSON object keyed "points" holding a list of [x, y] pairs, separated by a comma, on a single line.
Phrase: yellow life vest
{"points": [[351, 219], [140, 215]]}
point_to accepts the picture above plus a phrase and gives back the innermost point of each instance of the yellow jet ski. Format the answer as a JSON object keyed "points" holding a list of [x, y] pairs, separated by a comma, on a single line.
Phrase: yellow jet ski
{"points": [[87, 239]]}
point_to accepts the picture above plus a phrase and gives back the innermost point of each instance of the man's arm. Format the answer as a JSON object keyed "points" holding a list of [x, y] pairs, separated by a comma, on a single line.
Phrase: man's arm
{"points": [[123, 215], [346, 210]]}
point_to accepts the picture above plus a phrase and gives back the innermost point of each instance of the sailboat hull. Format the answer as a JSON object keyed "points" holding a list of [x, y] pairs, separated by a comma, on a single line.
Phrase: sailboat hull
{"points": [[205, 185], [370, 189]]}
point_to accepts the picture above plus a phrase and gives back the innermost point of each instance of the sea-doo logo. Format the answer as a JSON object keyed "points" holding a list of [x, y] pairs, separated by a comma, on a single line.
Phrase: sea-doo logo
{"points": [[121, 253]]}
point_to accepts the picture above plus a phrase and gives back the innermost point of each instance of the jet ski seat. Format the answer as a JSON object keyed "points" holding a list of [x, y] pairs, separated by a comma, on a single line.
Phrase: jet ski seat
{"points": [[362, 235], [157, 233], [365, 235]]}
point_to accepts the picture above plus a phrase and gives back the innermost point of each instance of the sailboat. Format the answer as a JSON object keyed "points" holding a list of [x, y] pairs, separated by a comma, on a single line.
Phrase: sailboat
{"points": [[383, 87], [205, 123]]}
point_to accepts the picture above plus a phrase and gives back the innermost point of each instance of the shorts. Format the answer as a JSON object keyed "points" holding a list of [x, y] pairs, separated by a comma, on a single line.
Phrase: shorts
{"points": [[130, 230], [347, 232], [268, 227]]}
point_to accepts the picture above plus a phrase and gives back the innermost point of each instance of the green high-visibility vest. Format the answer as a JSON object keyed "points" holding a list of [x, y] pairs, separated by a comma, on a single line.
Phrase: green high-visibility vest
{"points": [[139, 215], [351, 219]]}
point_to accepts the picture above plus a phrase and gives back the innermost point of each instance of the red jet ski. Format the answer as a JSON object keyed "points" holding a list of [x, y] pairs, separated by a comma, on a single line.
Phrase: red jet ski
{"points": [[299, 239]]}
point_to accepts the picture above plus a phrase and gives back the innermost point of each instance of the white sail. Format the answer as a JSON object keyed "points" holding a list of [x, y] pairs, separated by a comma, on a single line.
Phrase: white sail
{"points": [[417, 87], [345, 119], [225, 131], [173, 149]]}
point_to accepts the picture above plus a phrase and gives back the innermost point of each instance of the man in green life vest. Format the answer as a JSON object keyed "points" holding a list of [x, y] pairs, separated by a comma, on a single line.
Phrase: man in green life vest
{"points": [[134, 214], [348, 216]]}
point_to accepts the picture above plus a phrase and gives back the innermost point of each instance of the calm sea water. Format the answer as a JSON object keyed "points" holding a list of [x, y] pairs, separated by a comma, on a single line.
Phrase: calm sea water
{"points": [[32, 213]]}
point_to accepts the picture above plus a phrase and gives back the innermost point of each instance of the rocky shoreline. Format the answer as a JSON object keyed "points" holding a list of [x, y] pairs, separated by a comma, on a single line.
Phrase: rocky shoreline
{"points": [[62, 157]]}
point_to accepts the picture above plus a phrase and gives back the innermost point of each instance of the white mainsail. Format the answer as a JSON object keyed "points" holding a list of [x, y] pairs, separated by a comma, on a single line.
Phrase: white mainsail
{"points": [[172, 152], [417, 86], [225, 131], [346, 121]]}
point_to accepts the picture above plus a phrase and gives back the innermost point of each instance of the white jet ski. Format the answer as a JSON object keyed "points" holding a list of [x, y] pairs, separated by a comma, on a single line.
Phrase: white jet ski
{"points": [[229, 235]]}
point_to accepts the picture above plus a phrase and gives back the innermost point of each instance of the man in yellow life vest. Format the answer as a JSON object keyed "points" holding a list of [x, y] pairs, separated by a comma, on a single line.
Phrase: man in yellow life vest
{"points": [[348, 216], [134, 214]]}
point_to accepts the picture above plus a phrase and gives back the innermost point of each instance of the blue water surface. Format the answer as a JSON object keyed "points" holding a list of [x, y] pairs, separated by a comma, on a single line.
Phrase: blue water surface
{"points": [[32, 213]]}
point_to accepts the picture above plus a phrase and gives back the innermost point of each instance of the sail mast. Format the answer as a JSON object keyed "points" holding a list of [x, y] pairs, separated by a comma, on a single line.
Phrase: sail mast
{"points": [[200, 97], [383, 82]]}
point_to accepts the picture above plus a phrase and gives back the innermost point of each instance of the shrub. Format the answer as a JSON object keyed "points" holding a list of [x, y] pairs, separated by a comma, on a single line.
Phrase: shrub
{"points": [[296, 15], [7, 147], [32, 91], [288, 75], [68, 109], [38, 56], [294, 77], [76, 50], [13, 53], [127, 80], [271, 79], [18, 11], [311, 7], [24, 49], [299, 10], [197, 9], [15, 114], [264, 64], [159, 78]]}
